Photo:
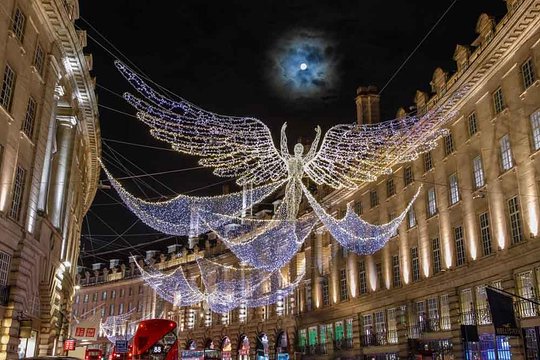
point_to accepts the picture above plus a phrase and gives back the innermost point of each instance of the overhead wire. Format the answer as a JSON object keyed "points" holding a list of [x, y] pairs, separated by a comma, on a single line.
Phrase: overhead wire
{"points": [[418, 46]]}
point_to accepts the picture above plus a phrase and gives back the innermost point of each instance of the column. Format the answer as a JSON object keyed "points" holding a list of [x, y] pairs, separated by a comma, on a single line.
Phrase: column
{"points": [[47, 164], [352, 274], [316, 269], [65, 138], [334, 273]]}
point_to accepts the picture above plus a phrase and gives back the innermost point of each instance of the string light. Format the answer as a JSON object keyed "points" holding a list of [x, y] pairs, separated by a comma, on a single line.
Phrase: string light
{"points": [[355, 234], [242, 147], [180, 215], [225, 287]]}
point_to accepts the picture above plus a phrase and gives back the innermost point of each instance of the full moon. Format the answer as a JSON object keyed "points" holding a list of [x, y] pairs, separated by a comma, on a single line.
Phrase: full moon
{"points": [[303, 66]]}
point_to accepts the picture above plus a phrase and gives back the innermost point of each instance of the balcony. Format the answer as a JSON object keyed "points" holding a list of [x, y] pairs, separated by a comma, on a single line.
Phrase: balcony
{"points": [[378, 339], [526, 309], [483, 316], [4, 295]]}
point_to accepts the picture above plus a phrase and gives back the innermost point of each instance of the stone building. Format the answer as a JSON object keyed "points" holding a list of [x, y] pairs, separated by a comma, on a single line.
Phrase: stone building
{"points": [[49, 146], [474, 224]]}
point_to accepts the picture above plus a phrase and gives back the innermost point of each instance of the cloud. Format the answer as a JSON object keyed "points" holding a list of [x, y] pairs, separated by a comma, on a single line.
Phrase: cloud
{"points": [[315, 80]]}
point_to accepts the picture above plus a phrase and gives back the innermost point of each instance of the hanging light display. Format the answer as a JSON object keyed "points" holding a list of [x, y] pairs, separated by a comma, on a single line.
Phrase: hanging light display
{"points": [[355, 234], [242, 148], [223, 288]]}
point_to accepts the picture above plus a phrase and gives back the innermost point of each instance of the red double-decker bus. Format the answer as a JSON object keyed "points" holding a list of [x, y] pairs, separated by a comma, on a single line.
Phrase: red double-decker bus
{"points": [[155, 340]]}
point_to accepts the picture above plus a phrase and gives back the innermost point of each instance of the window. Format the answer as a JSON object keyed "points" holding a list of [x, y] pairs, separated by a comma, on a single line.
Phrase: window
{"points": [[431, 202], [122, 292], [111, 309], [29, 118], [392, 216], [95, 297], [367, 324], [436, 250], [460, 246], [408, 176], [39, 59], [358, 209], [5, 264], [77, 299], [392, 326], [343, 290], [139, 306], [120, 308], [325, 292], [141, 289], [498, 101], [113, 294], [428, 161], [17, 24], [309, 302], [453, 188], [411, 218], [362, 278], [506, 153], [485, 234], [527, 71], [85, 298], [415, 263], [130, 291], [448, 144], [396, 273], [525, 289], [433, 312], [478, 172], [102, 313], [380, 326], [373, 198], [535, 127], [18, 193], [104, 295], [390, 187], [515, 220], [472, 124], [380, 280], [8, 86]]}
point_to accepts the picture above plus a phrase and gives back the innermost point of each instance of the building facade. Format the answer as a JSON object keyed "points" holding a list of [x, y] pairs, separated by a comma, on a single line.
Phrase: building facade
{"points": [[474, 224], [49, 147]]}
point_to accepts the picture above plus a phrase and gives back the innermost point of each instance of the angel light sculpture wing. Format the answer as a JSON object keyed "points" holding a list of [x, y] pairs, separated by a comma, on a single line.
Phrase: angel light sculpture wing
{"points": [[242, 147], [239, 147]]}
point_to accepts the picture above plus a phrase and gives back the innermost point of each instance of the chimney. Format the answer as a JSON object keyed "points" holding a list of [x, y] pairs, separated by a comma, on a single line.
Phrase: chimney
{"points": [[367, 105], [150, 254], [97, 266], [173, 249]]}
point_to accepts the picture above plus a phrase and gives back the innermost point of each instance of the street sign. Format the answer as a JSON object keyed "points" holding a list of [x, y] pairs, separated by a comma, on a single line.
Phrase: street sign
{"points": [[121, 346]]}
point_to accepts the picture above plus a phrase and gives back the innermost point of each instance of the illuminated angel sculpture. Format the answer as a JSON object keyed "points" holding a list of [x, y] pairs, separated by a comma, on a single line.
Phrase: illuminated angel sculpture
{"points": [[243, 148]]}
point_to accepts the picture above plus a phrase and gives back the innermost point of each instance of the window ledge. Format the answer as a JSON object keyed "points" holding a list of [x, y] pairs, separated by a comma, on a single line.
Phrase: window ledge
{"points": [[503, 112], [451, 206], [12, 35], [505, 172], [430, 217], [523, 95], [9, 116], [24, 136], [38, 74]]}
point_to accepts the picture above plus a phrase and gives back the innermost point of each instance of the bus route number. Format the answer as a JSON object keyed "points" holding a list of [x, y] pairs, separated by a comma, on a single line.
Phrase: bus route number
{"points": [[157, 349]]}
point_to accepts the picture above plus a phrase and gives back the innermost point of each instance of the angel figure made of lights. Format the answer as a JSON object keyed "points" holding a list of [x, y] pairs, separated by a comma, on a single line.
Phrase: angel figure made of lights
{"points": [[242, 148]]}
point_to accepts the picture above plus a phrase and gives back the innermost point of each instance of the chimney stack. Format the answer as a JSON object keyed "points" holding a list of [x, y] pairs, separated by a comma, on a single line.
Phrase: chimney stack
{"points": [[367, 105]]}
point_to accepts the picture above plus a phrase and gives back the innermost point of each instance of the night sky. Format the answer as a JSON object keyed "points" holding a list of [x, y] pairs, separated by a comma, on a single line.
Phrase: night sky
{"points": [[242, 58]]}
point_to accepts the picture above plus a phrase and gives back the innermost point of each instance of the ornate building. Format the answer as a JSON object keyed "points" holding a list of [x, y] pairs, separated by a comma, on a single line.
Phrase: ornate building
{"points": [[474, 224], [49, 146]]}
